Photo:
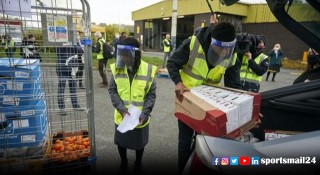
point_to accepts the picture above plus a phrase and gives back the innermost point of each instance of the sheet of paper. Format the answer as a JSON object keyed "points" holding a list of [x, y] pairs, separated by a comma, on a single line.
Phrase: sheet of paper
{"points": [[129, 122]]}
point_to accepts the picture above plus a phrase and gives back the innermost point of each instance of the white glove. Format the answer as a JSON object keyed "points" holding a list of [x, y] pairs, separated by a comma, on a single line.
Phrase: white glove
{"points": [[74, 72], [70, 58], [82, 59]]}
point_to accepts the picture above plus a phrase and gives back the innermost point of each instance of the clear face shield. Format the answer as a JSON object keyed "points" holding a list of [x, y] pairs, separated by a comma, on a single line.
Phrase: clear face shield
{"points": [[125, 57], [221, 53]]}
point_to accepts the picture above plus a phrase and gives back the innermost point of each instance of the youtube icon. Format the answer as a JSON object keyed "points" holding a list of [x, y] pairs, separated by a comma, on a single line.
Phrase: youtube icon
{"points": [[244, 160]]}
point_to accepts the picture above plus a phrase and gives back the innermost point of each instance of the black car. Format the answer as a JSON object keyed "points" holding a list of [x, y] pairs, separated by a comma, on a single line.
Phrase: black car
{"points": [[293, 108]]}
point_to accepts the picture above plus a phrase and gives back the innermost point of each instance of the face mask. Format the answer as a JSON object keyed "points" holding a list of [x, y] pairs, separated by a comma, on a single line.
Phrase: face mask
{"points": [[125, 57], [220, 52], [260, 47], [259, 50]]}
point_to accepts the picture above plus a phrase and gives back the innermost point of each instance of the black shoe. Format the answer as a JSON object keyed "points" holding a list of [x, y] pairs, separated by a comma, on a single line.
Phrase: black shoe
{"points": [[78, 108], [273, 80], [81, 86], [62, 112], [137, 167], [124, 165]]}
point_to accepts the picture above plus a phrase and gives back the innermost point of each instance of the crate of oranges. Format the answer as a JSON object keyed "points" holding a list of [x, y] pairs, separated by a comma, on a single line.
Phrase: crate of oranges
{"points": [[70, 146]]}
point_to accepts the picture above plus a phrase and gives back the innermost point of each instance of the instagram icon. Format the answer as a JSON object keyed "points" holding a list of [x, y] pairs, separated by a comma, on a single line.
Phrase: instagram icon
{"points": [[224, 161]]}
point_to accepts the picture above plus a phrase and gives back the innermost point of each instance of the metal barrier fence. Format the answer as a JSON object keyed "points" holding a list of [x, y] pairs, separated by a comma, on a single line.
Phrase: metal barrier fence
{"points": [[46, 88]]}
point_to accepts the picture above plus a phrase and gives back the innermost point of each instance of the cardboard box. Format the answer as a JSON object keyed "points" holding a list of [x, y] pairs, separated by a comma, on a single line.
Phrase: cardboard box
{"points": [[217, 111], [25, 127], [276, 134]]}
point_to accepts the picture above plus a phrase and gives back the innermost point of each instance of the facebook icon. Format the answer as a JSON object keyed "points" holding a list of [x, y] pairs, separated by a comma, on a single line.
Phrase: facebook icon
{"points": [[255, 160], [215, 161]]}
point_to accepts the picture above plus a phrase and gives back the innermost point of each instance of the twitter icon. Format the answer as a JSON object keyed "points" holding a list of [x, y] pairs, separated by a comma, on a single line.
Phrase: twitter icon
{"points": [[234, 161]]}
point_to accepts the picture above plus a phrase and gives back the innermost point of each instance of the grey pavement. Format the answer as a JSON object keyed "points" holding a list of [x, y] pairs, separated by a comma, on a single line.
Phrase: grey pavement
{"points": [[160, 156]]}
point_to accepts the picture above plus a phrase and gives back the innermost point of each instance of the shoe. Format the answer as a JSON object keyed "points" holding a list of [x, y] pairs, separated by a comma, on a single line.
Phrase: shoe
{"points": [[81, 86], [103, 85], [124, 164], [78, 108], [273, 80], [137, 167], [62, 112]]}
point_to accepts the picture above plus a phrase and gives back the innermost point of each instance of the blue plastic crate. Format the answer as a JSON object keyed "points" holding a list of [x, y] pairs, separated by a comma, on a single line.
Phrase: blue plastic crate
{"points": [[19, 87], [13, 100], [19, 69], [24, 127]]}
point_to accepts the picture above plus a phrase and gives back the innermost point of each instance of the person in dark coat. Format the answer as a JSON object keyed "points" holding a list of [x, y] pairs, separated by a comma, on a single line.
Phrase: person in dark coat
{"points": [[80, 72], [210, 40], [275, 61], [117, 40], [313, 69], [29, 50], [66, 68], [132, 83]]}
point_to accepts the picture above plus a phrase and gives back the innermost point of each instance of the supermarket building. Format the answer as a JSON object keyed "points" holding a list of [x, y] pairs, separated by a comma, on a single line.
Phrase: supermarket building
{"points": [[153, 22]]}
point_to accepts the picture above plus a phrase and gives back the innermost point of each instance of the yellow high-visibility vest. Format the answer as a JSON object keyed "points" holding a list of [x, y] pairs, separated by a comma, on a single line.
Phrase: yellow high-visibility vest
{"points": [[196, 71], [10, 45], [247, 74], [166, 48], [140, 86], [100, 55]]}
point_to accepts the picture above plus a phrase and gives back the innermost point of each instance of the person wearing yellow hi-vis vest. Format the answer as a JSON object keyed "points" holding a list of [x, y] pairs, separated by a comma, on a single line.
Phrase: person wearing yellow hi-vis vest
{"points": [[254, 65], [203, 59], [132, 83], [102, 62], [9, 46], [166, 49]]}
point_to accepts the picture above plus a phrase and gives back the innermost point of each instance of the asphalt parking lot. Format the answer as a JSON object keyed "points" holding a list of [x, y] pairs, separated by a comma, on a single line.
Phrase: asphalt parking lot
{"points": [[160, 156]]}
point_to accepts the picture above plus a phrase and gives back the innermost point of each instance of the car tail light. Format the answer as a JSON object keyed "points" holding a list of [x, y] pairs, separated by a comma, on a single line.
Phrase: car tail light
{"points": [[200, 161], [197, 166]]}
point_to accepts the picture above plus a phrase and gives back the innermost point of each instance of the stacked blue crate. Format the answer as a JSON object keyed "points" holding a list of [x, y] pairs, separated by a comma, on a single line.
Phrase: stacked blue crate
{"points": [[23, 116], [19, 82], [26, 127]]}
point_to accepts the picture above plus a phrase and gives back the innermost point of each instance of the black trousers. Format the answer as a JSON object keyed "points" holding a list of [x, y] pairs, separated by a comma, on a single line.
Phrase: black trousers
{"points": [[102, 66], [123, 154], [79, 74], [9, 52], [63, 77], [185, 148]]}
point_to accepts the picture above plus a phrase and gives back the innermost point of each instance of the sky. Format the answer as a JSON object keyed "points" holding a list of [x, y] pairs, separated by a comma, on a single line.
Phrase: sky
{"points": [[119, 11]]}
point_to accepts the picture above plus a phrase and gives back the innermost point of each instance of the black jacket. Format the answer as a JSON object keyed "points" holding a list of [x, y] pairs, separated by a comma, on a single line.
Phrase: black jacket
{"points": [[181, 56], [98, 46], [29, 50], [311, 74], [68, 53]]}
